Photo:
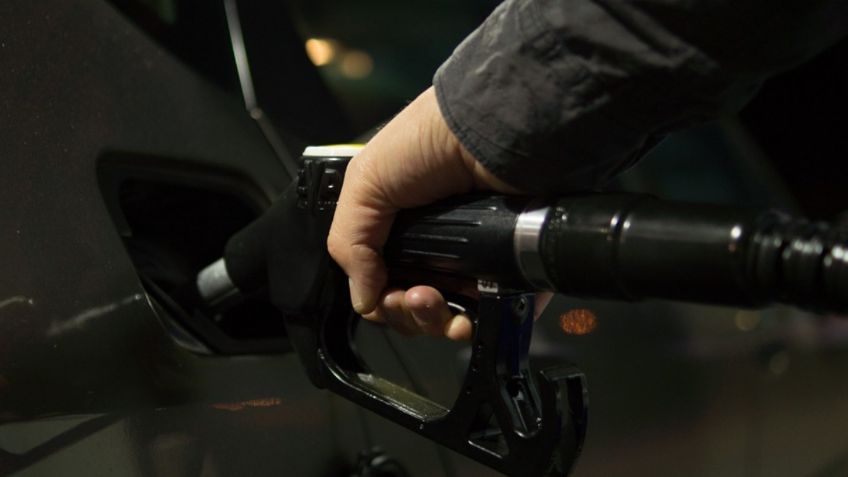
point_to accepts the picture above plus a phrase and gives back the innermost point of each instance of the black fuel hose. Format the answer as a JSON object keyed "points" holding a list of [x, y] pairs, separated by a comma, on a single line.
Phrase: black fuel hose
{"points": [[630, 247]]}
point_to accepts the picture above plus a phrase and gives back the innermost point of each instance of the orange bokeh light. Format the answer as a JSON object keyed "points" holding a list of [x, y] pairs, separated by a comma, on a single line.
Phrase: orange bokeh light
{"points": [[580, 321], [252, 403]]}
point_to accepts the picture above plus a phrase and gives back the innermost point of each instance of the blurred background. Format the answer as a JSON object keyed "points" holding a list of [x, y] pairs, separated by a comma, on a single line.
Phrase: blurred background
{"points": [[374, 56]]}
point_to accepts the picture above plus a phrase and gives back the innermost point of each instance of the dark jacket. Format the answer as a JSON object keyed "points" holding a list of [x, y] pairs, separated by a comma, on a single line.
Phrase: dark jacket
{"points": [[552, 95]]}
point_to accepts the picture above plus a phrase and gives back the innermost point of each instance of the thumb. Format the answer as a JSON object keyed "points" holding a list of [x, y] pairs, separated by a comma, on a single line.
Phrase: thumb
{"points": [[361, 223], [366, 276]]}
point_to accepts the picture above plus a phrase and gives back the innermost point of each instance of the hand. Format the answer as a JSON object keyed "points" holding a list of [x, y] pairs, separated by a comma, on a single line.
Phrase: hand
{"points": [[414, 160]]}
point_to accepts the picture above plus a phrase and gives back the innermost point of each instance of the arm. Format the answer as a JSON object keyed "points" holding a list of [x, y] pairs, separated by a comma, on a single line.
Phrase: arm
{"points": [[563, 94], [551, 95]]}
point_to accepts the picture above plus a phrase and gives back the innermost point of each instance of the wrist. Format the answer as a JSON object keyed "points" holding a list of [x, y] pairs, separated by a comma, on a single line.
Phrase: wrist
{"points": [[448, 146]]}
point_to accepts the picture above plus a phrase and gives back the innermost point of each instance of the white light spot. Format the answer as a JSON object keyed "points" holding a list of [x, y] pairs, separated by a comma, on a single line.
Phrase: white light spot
{"points": [[735, 233], [81, 319], [16, 299]]}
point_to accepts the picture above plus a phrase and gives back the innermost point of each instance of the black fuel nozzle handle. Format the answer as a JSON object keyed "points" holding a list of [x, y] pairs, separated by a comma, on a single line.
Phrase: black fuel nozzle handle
{"points": [[517, 421]]}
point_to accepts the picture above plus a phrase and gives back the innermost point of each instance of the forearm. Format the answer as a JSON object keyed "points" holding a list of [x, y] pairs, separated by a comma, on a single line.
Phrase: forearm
{"points": [[555, 95]]}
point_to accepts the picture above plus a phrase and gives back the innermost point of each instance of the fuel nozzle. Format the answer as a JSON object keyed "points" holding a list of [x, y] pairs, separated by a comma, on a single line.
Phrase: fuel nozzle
{"points": [[244, 267], [616, 246]]}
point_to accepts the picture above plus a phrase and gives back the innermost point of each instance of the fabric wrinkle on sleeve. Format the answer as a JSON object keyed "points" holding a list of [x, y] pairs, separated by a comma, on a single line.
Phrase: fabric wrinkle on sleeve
{"points": [[557, 95], [490, 93]]}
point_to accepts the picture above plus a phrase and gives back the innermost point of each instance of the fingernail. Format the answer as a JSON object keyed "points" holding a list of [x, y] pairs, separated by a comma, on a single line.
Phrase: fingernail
{"points": [[356, 297], [458, 328], [374, 316]]}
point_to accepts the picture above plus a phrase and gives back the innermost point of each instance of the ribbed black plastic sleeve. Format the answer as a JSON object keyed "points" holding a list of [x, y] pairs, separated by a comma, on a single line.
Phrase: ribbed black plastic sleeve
{"points": [[470, 237]]}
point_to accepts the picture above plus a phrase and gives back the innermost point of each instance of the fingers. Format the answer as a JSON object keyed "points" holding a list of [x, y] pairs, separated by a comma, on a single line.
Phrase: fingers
{"points": [[360, 226], [423, 310], [428, 309], [420, 310], [397, 314], [366, 276], [458, 328], [413, 160]]}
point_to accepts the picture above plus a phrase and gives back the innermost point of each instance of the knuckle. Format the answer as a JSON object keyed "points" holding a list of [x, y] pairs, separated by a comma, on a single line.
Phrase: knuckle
{"points": [[335, 247], [363, 253]]}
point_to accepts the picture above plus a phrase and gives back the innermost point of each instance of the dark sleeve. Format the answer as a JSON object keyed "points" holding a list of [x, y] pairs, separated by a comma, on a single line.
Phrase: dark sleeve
{"points": [[552, 95]]}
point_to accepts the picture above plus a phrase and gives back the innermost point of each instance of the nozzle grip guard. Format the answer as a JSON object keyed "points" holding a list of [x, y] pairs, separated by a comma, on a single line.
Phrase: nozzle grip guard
{"points": [[504, 417]]}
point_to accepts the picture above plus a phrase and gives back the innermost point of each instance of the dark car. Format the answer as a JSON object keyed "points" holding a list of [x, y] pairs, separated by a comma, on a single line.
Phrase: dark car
{"points": [[136, 136]]}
